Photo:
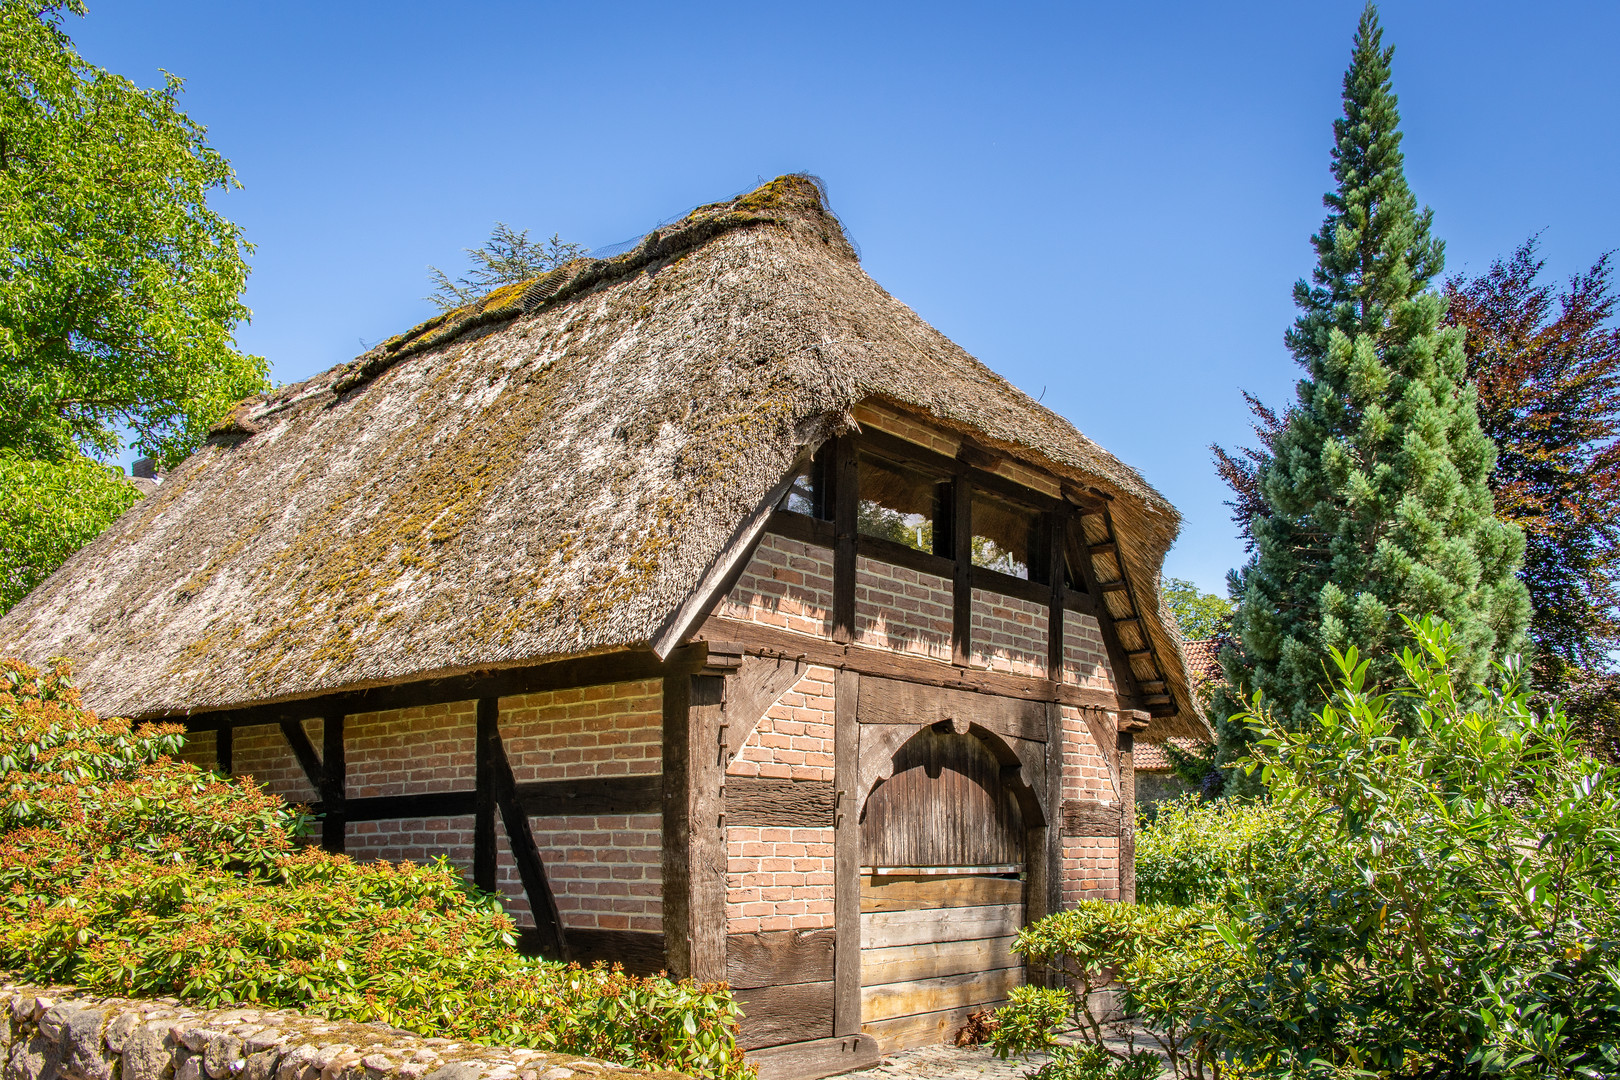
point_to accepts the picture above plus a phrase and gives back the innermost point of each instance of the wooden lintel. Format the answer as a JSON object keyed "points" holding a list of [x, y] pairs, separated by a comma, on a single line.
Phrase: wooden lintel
{"points": [[770, 642], [1114, 586], [1107, 547], [1087, 817], [591, 796], [769, 801]]}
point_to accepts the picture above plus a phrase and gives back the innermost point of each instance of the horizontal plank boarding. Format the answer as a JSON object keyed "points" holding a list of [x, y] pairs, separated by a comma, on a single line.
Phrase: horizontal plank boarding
{"points": [[937, 995], [766, 800], [889, 701], [1087, 817], [936, 959], [816, 1058], [778, 957], [886, 929], [761, 640], [773, 1015], [884, 892], [922, 1029]]}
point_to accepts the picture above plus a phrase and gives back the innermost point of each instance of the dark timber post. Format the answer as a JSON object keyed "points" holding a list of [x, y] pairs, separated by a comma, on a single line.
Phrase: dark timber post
{"points": [[1130, 722], [334, 824], [548, 924], [694, 860], [846, 514], [484, 794], [1058, 525], [846, 856], [962, 579], [222, 749]]}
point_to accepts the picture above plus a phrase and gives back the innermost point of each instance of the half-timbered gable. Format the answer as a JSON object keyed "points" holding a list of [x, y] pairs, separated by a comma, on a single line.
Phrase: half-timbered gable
{"points": [[702, 601]]}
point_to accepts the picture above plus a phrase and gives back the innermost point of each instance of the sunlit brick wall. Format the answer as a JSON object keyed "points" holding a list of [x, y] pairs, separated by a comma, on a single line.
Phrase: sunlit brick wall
{"points": [[787, 584], [1090, 863], [1085, 661], [902, 609], [1009, 634]]}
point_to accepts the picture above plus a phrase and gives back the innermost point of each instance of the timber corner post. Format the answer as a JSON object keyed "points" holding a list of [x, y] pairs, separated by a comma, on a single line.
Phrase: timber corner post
{"points": [[1130, 722], [694, 828]]}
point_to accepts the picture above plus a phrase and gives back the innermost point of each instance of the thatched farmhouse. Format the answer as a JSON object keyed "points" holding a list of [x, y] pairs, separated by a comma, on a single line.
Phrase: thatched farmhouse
{"points": [[703, 600]]}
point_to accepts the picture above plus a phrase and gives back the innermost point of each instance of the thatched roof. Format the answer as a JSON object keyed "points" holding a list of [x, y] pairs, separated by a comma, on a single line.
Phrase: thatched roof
{"points": [[548, 472]]}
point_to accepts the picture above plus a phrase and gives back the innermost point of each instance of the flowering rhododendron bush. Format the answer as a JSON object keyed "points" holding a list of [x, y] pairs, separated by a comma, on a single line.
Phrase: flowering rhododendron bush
{"points": [[126, 871]]}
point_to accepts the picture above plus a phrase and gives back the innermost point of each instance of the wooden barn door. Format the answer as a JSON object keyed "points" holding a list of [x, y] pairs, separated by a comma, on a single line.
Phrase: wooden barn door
{"points": [[942, 894]]}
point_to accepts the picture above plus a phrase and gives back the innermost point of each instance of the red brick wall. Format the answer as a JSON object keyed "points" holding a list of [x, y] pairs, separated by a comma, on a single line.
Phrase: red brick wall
{"points": [[614, 730], [262, 752], [418, 840], [1085, 661], [794, 739], [410, 751], [901, 609], [881, 417], [1009, 634], [199, 750], [787, 585], [1090, 864], [779, 878]]}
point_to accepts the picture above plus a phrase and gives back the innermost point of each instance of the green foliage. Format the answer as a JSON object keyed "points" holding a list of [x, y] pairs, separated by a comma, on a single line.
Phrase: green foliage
{"points": [[1433, 890], [1199, 614], [120, 287], [1375, 494], [125, 871], [1194, 852], [507, 257], [49, 510]]}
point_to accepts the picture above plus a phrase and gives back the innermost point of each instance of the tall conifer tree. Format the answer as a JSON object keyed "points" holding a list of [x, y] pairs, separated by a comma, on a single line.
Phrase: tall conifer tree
{"points": [[1375, 502]]}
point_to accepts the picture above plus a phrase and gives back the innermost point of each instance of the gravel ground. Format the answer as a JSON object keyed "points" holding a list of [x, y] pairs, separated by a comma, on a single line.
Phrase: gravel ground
{"points": [[962, 1063]]}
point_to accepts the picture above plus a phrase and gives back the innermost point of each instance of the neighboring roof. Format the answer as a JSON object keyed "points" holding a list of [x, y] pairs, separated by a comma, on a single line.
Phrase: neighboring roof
{"points": [[1151, 757], [1203, 660], [547, 472]]}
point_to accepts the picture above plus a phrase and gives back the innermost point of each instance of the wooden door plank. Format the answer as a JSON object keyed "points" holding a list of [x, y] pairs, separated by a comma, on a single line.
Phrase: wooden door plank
{"points": [[936, 995], [936, 959], [886, 893], [816, 1058], [884, 929], [924, 1029]]}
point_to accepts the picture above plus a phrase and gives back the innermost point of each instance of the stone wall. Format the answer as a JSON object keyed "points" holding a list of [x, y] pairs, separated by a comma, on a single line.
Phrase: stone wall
{"points": [[52, 1033]]}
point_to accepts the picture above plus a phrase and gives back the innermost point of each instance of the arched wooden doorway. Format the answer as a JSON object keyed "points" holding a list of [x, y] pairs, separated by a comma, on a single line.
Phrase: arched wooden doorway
{"points": [[944, 848]]}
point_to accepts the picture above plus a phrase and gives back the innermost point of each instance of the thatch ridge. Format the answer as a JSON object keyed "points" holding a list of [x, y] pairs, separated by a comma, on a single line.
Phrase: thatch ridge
{"points": [[544, 473]]}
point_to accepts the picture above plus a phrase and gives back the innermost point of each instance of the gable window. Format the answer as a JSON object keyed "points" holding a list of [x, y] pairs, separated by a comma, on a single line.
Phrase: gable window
{"points": [[1007, 538], [807, 494], [903, 505]]}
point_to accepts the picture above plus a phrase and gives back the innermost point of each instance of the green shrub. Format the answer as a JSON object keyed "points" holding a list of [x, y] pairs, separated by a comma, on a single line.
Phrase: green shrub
{"points": [[1192, 851], [125, 871], [1433, 890]]}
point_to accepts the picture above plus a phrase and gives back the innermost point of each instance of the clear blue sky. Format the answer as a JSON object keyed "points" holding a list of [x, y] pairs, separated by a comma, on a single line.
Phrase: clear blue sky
{"points": [[1107, 203]]}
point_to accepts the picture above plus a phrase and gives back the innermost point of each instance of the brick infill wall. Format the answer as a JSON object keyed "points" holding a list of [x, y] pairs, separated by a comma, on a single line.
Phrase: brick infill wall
{"points": [[58, 1033]]}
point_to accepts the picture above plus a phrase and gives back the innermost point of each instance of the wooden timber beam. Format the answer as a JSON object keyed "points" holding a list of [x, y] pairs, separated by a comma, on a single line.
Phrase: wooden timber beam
{"points": [[768, 641], [222, 752], [623, 666], [846, 511], [962, 576], [525, 852], [694, 849], [334, 769], [485, 855]]}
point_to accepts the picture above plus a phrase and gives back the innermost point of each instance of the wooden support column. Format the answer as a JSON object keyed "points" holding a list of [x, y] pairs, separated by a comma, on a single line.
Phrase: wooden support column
{"points": [[1052, 882], [1130, 722], [962, 579], [846, 856], [484, 853], [846, 513], [694, 858], [334, 821], [222, 749]]}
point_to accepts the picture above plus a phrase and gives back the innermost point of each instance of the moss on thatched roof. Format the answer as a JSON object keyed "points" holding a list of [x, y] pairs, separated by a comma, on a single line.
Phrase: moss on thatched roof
{"points": [[547, 472]]}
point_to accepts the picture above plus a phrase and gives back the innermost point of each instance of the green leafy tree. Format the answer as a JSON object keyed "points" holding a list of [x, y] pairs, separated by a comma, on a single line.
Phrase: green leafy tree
{"points": [[120, 288], [49, 510], [507, 257], [1375, 491], [1199, 614]]}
